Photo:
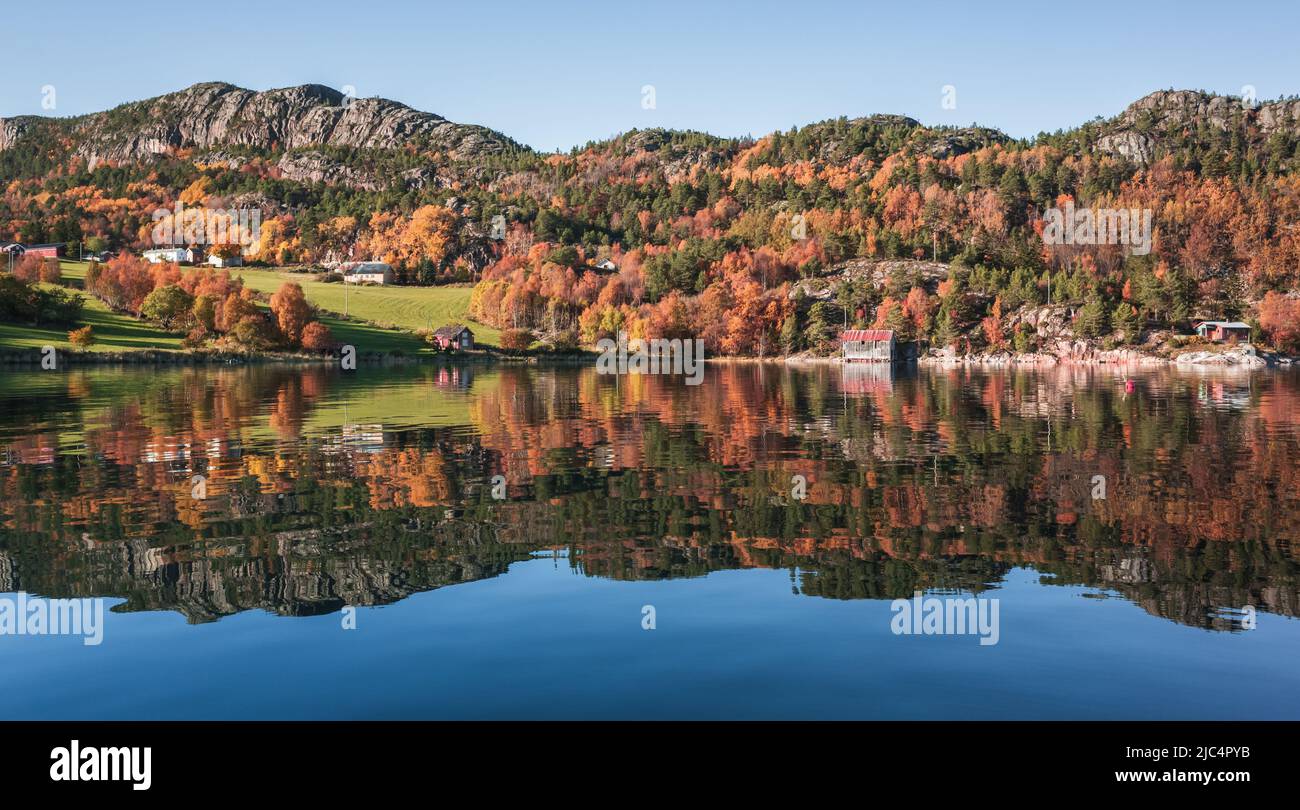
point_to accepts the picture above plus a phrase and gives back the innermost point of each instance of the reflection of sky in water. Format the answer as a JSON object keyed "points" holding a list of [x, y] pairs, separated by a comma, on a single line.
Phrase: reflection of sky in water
{"points": [[540, 642], [327, 490]]}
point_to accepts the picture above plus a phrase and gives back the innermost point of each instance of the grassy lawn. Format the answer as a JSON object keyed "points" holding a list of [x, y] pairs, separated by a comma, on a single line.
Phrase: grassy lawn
{"points": [[407, 308], [113, 332], [400, 310]]}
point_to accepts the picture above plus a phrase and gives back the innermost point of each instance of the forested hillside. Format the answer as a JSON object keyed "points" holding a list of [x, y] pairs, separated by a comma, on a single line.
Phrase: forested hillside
{"points": [[760, 247]]}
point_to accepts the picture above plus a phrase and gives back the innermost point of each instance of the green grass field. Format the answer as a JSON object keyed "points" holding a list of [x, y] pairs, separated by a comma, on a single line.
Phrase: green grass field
{"points": [[383, 319], [408, 308], [113, 332]]}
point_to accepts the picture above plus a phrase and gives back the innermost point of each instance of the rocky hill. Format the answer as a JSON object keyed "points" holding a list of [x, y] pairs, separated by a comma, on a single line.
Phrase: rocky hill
{"points": [[1138, 133], [296, 123], [217, 115]]}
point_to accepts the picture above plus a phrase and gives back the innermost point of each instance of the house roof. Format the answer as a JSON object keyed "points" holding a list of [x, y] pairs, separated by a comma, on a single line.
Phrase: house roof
{"points": [[365, 268], [866, 335], [19, 246], [1224, 324], [449, 332]]}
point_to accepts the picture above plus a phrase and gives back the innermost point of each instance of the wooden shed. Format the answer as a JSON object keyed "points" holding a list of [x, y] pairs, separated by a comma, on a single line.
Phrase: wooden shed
{"points": [[869, 345]]}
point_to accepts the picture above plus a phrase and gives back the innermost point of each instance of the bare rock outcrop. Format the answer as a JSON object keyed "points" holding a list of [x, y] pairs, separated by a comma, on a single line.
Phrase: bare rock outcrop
{"points": [[1135, 133], [1241, 357], [11, 129], [214, 115]]}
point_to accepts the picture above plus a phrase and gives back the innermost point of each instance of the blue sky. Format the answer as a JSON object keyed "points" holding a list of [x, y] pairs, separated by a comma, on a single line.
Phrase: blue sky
{"points": [[557, 74]]}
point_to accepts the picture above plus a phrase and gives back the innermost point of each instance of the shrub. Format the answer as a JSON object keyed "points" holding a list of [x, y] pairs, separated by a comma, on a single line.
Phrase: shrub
{"points": [[516, 340], [51, 272], [316, 337], [21, 302], [565, 341], [17, 300], [82, 338], [59, 306], [254, 333], [195, 338], [1023, 339]]}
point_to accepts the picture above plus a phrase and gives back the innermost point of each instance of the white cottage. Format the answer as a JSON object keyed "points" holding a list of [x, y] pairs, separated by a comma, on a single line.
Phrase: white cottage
{"points": [[367, 273]]}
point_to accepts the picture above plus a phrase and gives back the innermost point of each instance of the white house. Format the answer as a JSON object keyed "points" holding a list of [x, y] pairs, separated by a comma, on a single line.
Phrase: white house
{"points": [[225, 261], [367, 273], [165, 255], [606, 265]]}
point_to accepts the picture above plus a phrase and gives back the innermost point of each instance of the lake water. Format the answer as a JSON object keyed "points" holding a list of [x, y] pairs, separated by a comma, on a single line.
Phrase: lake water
{"points": [[523, 542]]}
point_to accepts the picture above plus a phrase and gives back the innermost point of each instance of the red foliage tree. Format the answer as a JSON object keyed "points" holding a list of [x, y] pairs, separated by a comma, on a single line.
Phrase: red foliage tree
{"points": [[1279, 317], [316, 337]]}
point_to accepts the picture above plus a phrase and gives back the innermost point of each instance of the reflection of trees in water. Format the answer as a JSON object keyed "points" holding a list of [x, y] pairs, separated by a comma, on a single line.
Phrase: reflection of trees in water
{"points": [[924, 481]]}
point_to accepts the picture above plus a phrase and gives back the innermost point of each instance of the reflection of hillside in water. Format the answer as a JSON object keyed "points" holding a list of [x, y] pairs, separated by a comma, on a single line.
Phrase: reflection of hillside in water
{"points": [[929, 480]]}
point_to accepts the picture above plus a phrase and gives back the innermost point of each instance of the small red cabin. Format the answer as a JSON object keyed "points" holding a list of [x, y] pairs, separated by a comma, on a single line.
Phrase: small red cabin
{"points": [[453, 337], [1224, 331]]}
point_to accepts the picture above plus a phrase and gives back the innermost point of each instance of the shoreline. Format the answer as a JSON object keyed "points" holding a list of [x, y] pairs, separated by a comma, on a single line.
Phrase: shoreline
{"points": [[1124, 358], [165, 357], [1010, 360]]}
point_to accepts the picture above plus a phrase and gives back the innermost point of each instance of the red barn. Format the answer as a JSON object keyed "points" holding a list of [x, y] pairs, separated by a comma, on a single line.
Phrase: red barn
{"points": [[50, 251]]}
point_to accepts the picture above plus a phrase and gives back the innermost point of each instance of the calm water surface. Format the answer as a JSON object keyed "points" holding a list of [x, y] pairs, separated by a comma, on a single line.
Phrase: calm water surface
{"points": [[367, 498]]}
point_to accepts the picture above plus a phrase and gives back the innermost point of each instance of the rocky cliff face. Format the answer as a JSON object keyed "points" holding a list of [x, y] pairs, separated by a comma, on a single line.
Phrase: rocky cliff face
{"points": [[214, 115], [11, 129], [1135, 133]]}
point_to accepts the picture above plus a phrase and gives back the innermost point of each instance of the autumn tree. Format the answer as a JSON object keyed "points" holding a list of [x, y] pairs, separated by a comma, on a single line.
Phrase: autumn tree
{"points": [[28, 268], [291, 310], [316, 337], [169, 305], [1279, 318], [51, 272]]}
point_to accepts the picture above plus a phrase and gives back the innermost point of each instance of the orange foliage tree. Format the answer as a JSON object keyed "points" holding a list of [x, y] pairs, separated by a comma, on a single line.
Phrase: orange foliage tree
{"points": [[292, 312], [1279, 317]]}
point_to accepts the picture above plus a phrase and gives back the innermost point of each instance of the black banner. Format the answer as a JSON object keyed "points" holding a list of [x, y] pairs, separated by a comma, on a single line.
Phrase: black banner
{"points": [[148, 760]]}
